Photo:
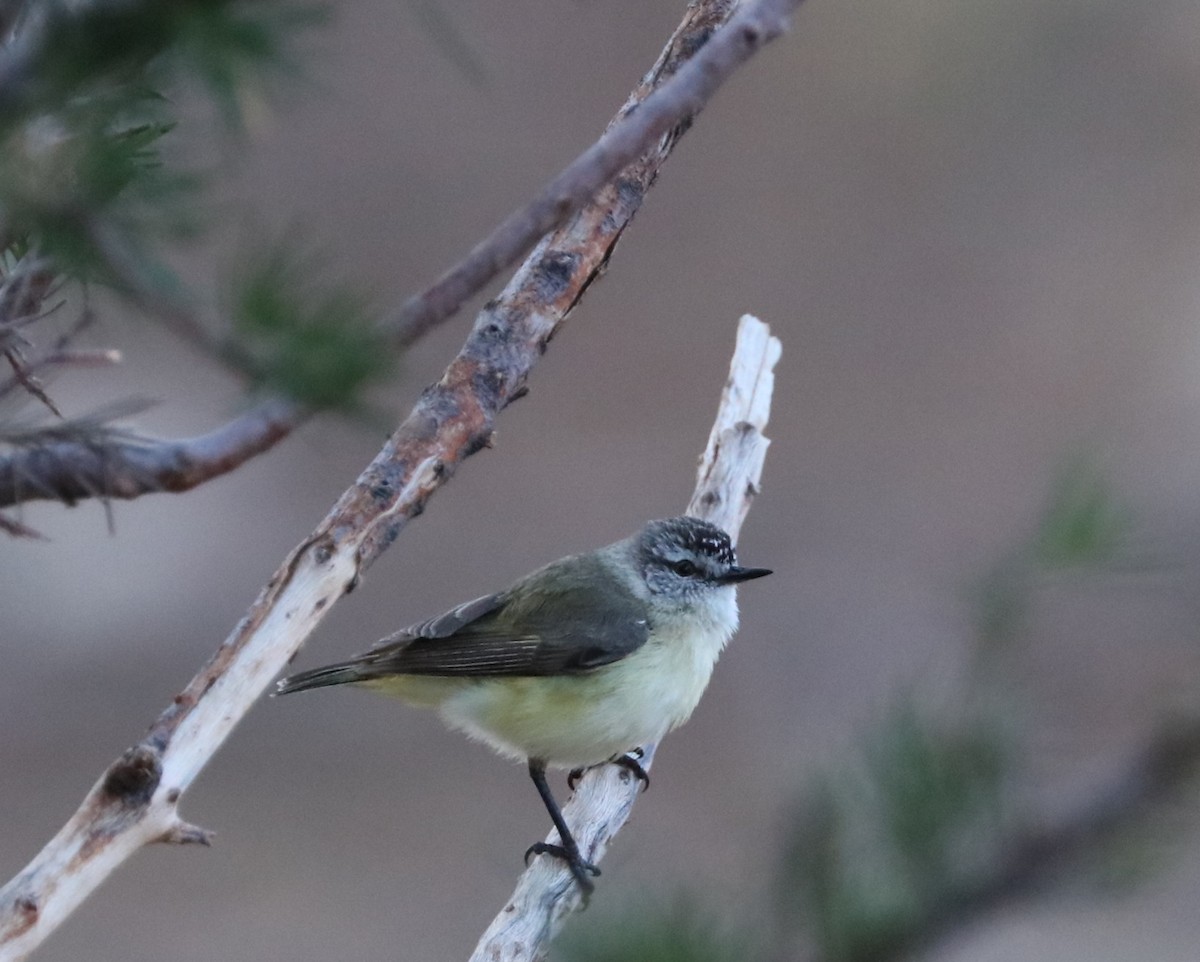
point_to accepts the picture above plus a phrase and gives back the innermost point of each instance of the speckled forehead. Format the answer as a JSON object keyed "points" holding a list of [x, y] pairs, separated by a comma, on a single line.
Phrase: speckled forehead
{"points": [[695, 536]]}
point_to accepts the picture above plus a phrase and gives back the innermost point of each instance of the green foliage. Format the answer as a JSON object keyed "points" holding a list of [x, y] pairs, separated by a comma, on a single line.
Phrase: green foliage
{"points": [[82, 116], [873, 853], [680, 932], [1001, 601], [231, 46], [887, 850], [95, 165], [82, 50], [84, 186], [938, 792], [316, 343], [831, 888], [1083, 525]]}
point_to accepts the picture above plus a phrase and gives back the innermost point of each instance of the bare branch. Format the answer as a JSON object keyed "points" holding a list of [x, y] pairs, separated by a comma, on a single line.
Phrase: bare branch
{"points": [[67, 464], [183, 833], [727, 481], [659, 108], [135, 801], [106, 465]]}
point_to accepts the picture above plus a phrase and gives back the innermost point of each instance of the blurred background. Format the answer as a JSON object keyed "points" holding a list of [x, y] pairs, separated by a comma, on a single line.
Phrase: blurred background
{"points": [[975, 228]]}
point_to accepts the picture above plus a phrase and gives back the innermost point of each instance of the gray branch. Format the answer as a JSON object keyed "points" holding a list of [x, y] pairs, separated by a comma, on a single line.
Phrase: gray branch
{"points": [[117, 465], [658, 108]]}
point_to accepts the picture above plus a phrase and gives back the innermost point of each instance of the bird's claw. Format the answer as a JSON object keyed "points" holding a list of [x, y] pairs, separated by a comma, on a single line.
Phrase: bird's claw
{"points": [[579, 868], [631, 761]]}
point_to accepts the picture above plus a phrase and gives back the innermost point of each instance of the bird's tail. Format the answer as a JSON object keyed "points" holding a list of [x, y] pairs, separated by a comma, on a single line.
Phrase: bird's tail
{"points": [[344, 673]]}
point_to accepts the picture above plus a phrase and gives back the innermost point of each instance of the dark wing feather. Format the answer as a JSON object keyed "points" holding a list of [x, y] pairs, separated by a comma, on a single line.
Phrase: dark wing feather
{"points": [[522, 631], [454, 620]]}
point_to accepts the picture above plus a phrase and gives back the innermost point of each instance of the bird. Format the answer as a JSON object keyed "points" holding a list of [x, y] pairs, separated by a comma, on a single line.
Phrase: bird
{"points": [[579, 663]]}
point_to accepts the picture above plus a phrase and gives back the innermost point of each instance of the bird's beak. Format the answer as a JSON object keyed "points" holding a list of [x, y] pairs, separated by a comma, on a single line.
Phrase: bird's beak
{"points": [[736, 574]]}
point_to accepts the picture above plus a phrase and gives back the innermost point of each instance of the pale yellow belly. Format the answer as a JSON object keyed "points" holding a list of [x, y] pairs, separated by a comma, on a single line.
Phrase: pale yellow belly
{"points": [[572, 721], [578, 720]]}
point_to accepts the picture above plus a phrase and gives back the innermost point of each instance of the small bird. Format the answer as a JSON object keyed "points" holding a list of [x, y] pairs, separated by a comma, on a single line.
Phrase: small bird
{"points": [[579, 663]]}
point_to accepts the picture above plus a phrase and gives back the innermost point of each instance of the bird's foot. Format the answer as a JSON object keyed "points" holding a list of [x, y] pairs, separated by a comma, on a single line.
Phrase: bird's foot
{"points": [[583, 871], [631, 761]]}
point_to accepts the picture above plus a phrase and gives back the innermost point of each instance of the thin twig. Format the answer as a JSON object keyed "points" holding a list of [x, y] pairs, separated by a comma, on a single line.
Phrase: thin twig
{"points": [[14, 528], [22, 293], [655, 109], [127, 272], [23, 376], [727, 481], [99, 357]]}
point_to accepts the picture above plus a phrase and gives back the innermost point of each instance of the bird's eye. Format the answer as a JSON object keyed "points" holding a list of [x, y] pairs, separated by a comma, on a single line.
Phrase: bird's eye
{"points": [[685, 568]]}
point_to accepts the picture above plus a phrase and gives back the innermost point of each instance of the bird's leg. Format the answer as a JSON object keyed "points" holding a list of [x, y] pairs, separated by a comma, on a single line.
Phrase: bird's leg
{"points": [[568, 851], [631, 761]]}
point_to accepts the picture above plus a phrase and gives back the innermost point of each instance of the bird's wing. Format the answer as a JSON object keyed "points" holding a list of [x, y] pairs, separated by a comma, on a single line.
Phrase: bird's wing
{"points": [[449, 623], [560, 623]]}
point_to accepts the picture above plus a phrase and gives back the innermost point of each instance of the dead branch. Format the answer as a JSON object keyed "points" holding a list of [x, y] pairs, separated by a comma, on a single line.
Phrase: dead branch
{"points": [[107, 466], [726, 483], [136, 800]]}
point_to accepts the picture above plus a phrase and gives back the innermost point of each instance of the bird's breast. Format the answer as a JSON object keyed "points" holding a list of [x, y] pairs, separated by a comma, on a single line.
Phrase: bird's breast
{"points": [[584, 719]]}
